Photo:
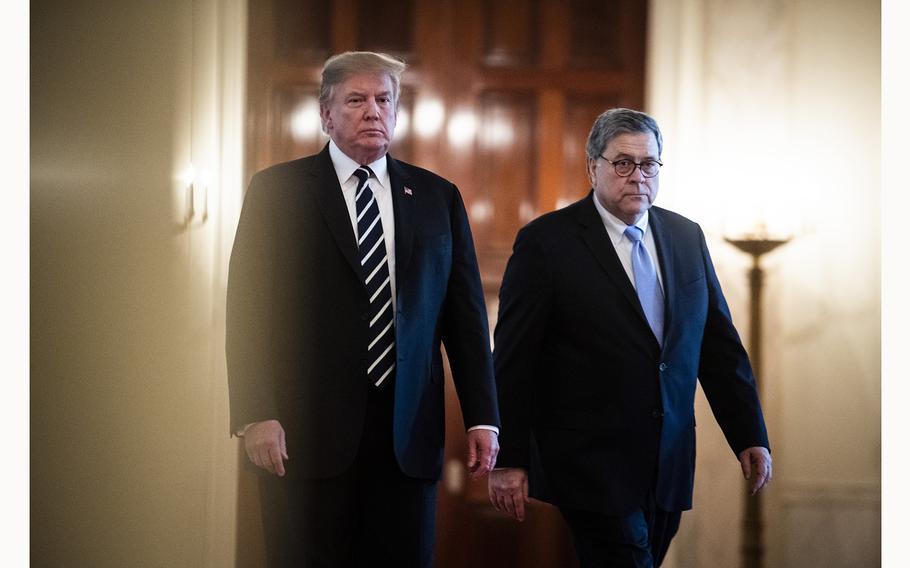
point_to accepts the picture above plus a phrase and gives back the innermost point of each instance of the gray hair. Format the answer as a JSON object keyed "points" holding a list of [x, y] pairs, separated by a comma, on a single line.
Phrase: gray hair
{"points": [[616, 121], [339, 68]]}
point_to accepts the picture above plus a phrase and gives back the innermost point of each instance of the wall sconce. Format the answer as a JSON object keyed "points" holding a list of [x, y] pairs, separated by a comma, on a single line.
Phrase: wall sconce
{"points": [[196, 186]]}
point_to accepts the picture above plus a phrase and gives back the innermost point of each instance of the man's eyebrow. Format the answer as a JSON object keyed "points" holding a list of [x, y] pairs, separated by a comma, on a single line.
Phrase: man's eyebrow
{"points": [[359, 93], [625, 156]]}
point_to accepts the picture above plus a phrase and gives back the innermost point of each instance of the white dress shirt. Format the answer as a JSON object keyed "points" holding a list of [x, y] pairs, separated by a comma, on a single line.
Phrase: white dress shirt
{"points": [[616, 231], [382, 190]]}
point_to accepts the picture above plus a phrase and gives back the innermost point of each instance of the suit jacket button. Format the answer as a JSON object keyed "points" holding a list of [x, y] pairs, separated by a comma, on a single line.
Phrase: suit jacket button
{"points": [[663, 366], [656, 413]]}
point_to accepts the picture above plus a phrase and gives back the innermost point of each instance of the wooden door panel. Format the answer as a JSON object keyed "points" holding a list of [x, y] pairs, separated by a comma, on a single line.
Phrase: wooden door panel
{"points": [[504, 199], [295, 122], [386, 26], [509, 38], [302, 30], [607, 35]]}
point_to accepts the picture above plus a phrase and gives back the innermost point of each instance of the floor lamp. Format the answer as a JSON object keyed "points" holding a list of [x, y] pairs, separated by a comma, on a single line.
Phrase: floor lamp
{"points": [[753, 545]]}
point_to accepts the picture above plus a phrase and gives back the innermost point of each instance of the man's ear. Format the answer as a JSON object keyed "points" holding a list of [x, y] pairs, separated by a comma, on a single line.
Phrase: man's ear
{"points": [[591, 164], [324, 115]]}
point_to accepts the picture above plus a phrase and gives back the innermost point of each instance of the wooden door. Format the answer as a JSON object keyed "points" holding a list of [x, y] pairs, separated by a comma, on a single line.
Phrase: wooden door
{"points": [[499, 98]]}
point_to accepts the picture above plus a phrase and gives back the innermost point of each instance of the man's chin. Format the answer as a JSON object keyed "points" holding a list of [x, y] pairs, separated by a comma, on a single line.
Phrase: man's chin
{"points": [[372, 143], [373, 138], [373, 147]]}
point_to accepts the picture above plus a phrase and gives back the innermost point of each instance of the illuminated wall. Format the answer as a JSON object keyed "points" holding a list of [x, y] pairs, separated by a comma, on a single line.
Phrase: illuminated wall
{"points": [[131, 463], [771, 113]]}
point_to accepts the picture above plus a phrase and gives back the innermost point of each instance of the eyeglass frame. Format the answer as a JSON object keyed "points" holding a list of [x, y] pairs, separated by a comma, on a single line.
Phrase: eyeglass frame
{"points": [[635, 165]]}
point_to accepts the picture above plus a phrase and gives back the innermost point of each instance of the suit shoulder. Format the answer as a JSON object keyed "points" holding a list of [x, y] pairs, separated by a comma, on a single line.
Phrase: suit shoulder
{"points": [[550, 234], [284, 171], [555, 222], [281, 184], [423, 176], [674, 221]]}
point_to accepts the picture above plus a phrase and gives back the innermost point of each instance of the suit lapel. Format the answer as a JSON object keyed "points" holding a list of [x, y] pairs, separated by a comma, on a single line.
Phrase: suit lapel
{"points": [[598, 241], [666, 257], [333, 208], [404, 198]]}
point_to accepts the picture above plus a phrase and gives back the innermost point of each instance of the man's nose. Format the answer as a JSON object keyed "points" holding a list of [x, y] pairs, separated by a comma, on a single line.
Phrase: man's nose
{"points": [[371, 109], [637, 176]]}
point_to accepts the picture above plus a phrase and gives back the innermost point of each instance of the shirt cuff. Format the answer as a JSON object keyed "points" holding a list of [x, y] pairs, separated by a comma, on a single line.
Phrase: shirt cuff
{"points": [[485, 427], [240, 433]]}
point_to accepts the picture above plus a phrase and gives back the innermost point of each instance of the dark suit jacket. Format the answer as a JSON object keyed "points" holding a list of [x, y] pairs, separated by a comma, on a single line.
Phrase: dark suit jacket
{"points": [[297, 328], [590, 402]]}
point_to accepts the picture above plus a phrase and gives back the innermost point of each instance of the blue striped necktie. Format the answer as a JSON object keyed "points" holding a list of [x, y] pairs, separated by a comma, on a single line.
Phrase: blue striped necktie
{"points": [[646, 284], [375, 270]]}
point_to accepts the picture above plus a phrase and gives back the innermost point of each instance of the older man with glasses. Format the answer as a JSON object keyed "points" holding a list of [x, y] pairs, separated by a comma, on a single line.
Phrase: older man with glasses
{"points": [[610, 310]]}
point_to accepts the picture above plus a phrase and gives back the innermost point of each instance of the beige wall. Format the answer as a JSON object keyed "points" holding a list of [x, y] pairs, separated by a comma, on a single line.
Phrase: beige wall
{"points": [[771, 110], [131, 464]]}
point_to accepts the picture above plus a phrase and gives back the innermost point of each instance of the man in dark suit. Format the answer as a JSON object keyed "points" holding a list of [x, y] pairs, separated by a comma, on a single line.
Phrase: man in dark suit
{"points": [[348, 270], [610, 310]]}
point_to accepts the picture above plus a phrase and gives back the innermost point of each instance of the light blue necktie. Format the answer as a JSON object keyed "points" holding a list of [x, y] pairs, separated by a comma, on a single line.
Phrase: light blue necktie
{"points": [[646, 285]]}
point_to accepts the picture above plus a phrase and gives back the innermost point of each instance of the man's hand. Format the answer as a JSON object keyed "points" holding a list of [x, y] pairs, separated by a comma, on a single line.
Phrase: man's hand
{"points": [[509, 491], [265, 445], [483, 446], [756, 464]]}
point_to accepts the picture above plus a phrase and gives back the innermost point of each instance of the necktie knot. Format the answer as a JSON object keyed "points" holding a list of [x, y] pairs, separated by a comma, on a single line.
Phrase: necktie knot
{"points": [[363, 173], [634, 233]]}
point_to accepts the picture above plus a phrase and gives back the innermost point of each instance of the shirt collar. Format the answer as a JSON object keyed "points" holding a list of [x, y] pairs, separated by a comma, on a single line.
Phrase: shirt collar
{"points": [[345, 166], [616, 227]]}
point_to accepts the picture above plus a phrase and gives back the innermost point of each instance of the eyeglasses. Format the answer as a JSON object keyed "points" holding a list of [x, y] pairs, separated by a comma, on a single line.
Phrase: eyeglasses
{"points": [[624, 168]]}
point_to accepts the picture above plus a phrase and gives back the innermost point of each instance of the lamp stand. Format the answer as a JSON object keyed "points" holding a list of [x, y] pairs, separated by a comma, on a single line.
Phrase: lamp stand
{"points": [[752, 549]]}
